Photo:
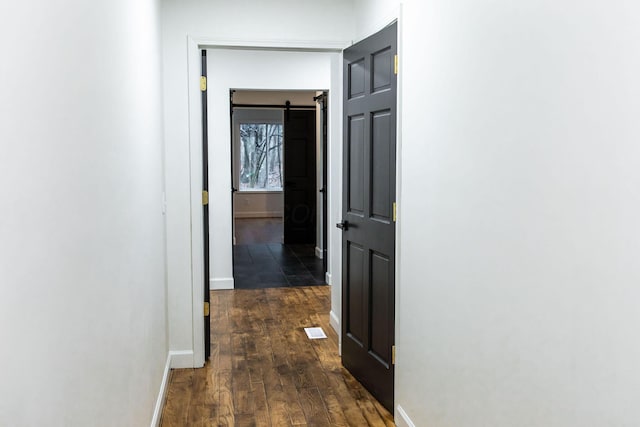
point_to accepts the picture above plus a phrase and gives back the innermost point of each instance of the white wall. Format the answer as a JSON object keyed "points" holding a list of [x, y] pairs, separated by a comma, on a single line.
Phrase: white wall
{"points": [[82, 281], [258, 204], [370, 16], [281, 21], [519, 213]]}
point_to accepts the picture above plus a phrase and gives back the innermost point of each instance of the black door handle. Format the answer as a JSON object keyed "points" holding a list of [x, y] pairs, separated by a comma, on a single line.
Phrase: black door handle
{"points": [[234, 189], [321, 190], [344, 225]]}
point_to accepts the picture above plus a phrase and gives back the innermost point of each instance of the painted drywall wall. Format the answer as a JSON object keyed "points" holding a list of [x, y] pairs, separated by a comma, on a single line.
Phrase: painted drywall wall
{"points": [[370, 16], [236, 69], [260, 204], [82, 276], [280, 21], [518, 214]]}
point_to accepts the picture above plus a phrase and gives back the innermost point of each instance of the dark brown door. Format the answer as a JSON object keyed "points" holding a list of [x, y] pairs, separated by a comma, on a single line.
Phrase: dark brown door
{"points": [[300, 176], [205, 208], [368, 239], [325, 179]]}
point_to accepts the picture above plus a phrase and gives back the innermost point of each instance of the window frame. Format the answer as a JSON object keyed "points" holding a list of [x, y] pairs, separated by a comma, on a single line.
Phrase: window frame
{"points": [[254, 116]]}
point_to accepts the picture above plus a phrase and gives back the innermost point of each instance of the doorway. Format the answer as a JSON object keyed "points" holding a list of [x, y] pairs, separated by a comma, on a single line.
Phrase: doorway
{"points": [[294, 65], [278, 174]]}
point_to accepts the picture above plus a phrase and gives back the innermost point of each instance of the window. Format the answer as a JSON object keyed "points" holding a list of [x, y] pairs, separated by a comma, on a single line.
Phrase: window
{"points": [[260, 156]]}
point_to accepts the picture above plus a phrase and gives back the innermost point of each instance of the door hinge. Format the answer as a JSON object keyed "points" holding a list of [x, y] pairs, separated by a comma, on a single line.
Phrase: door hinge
{"points": [[203, 83], [206, 309], [395, 211], [393, 355], [395, 64], [205, 197]]}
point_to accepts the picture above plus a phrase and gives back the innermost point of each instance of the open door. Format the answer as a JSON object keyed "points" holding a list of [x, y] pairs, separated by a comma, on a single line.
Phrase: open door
{"points": [[205, 206], [368, 221], [323, 101]]}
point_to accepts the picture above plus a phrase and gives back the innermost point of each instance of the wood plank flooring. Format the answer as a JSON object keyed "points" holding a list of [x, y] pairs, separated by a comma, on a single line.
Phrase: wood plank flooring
{"points": [[264, 371]]}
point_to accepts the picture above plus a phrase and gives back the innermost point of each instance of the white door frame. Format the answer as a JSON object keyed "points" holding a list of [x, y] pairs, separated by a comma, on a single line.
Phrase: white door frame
{"points": [[194, 45]]}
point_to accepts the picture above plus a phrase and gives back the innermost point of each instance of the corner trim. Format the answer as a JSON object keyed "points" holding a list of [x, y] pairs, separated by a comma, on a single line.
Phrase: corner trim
{"points": [[162, 393], [334, 321], [327, 278], [403, 420], [220, 284], [182, 359], [319, 252]]}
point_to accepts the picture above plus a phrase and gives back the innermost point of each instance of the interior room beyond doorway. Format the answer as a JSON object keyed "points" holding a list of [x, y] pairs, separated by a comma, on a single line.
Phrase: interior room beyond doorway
{"points": [[277, 171]]}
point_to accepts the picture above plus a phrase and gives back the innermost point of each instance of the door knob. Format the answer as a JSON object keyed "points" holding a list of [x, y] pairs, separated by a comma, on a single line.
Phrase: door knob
{"points": [[343, 225]]}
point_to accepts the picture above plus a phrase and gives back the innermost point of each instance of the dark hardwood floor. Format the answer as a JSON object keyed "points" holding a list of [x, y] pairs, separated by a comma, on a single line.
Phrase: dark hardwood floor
{"points": [[261, 261], [264, 371], [273, 265]]}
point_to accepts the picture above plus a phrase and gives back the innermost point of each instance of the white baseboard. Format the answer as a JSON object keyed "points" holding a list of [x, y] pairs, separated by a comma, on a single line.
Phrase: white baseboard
{"points": [[319, 252], [402, 419], [181, 359], [162, 394], [219, 284], [263, 214], [327, 278], [334, 321]]}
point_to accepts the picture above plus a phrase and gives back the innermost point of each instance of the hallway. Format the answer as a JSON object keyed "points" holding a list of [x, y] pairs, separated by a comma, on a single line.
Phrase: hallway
{"points": [[264, 371]]}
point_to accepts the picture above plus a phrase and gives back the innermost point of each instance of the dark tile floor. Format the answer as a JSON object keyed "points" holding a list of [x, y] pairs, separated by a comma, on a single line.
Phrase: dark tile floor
{"points": [[272, 265]]}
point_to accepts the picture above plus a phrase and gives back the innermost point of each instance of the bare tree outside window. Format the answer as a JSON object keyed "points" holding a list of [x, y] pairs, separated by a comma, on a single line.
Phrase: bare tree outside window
{"points": [[260, 156]]}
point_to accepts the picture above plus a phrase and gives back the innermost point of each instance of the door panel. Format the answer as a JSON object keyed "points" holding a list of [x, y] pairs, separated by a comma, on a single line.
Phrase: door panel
{"points": [[356, 165], [297, 151], [381, 62], [369, 160], [382, 144], [380, 274], [356, 78], [300, 176], [355, 276]]}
